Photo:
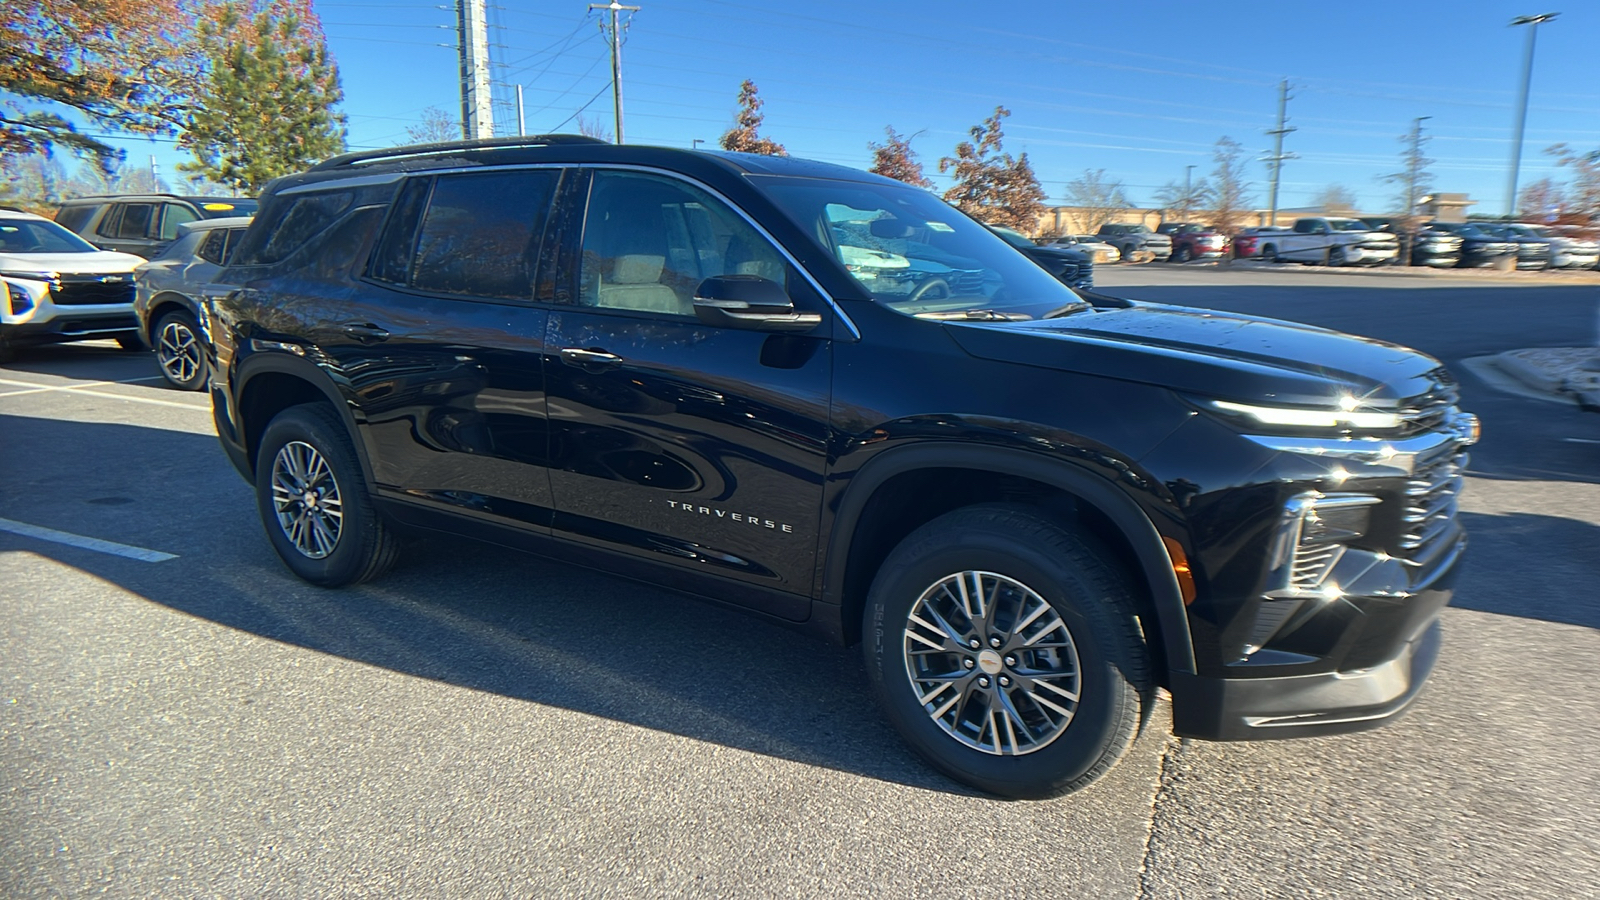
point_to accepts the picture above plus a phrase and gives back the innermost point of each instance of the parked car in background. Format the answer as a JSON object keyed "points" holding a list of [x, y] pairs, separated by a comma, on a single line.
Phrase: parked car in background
{"points": [[1333, 240], [1100, 251], [143, 224], [1533, 251], [168, 298], [1478, 247], [1435, 247], [1247, 243], [1073, 266], [56, 286], [1191, 241], [1567, 250], [1131, 240]]}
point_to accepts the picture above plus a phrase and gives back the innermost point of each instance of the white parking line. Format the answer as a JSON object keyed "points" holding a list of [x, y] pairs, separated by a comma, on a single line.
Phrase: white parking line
{"points": [[86, 386], [87, 543]]}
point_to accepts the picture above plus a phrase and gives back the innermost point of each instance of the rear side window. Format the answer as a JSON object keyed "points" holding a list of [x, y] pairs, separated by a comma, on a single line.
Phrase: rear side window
{"points": [[73, 218], [291, 225], [214, 246], [172, 216], [480, 235], [136, 220]]}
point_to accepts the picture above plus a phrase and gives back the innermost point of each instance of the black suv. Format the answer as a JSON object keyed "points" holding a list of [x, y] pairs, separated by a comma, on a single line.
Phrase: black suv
{"points": [[143, 224], [834, 400]]}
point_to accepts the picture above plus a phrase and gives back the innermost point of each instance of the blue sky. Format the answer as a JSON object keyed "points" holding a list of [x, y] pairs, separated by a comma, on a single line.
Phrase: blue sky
{"points": [[1139, 89]]}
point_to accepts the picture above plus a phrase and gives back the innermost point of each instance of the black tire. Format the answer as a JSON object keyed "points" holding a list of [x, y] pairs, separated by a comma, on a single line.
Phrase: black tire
{"points": [[364, 546], [7, 351], [1269, 253], [1093, 601], [130, 343], [1181, 255], [179, 349], [1336, 256]]}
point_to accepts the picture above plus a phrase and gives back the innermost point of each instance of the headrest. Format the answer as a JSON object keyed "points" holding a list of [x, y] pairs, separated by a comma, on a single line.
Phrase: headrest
{"points": [[637, 268]]}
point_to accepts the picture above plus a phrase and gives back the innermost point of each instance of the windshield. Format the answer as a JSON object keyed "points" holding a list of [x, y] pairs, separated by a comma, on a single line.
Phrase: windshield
{"points": [[917, 254], [29, 236], [1011, 236], [1349, 225]]}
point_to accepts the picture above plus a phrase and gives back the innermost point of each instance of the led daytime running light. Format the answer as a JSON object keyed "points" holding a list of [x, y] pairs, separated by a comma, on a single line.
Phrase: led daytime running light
{"points": [[1312, 418]]}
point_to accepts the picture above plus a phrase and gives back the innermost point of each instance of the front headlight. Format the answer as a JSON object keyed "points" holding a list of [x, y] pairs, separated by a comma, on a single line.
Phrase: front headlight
{"points": [[1347, 415]]}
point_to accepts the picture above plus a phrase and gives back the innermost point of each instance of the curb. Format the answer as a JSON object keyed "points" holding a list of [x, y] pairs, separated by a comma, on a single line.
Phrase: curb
{"points": [[1567, 374]]}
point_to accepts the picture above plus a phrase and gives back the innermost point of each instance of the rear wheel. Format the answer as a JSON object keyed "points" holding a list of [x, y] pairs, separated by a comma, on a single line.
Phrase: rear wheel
{"points": [[1007, 652], [314, 503], [1181, 254], [1270, 254], [179, 351], [1336, 256]]}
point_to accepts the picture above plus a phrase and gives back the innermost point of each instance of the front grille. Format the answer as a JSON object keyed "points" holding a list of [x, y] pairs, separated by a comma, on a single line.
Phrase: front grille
{"points": [[1431, 410], [1312, 564], [1432, 494], [1076, 273], [91, 291]]}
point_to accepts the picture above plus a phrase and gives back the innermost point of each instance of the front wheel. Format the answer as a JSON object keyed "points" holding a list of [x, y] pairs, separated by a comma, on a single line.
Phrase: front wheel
{"points": [[1180, 255], [180, 352], [1269, 253], [1336, 256], [1006, 651], [314, 502]]}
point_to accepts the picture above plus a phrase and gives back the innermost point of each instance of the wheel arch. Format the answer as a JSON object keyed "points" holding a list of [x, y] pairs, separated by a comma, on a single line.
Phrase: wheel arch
{"points": [[163, 303], [269, 383], [868, 524]]}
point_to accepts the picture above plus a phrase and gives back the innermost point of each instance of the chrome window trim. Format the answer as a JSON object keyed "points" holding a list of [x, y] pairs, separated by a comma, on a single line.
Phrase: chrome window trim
{"points": [[334, 184], [667, 173]]}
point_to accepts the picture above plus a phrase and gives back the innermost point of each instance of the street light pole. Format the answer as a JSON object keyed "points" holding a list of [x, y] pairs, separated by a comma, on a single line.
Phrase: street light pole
{"points": [[1522, 106]]}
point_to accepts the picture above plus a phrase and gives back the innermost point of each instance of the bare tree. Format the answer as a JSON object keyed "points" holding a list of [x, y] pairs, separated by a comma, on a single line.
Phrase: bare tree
{"points": [[743, 137], [1414, 179], [1097, 198], [436, 126], [1230, 195], [992, 185], [1541, 200], [1583, 192], [90, 178], [31, 181], [895, 159], [1336, 198], [1178, 202], [595, 127]]}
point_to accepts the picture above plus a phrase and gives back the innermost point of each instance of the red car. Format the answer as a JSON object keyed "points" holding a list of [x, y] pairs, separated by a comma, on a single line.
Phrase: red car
{"points": [[1190, 241]]}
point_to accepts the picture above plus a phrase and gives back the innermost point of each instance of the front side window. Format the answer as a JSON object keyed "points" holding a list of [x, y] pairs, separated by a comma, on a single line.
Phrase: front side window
{"points": [[649, 241], [173, 216], [917, 254], [480, 236]]}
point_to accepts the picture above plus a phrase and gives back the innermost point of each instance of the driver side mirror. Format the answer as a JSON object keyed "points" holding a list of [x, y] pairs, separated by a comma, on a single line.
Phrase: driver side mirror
{"points": [[749, 302]]}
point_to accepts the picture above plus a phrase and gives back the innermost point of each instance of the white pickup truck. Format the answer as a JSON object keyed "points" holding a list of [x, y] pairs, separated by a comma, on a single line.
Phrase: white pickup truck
{"points": [[1331, 240]]}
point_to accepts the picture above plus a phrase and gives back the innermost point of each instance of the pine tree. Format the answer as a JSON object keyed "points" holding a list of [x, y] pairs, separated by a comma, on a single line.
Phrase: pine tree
{"points": [[991, 185], [895, 159], [742, 137], [265, 106]]}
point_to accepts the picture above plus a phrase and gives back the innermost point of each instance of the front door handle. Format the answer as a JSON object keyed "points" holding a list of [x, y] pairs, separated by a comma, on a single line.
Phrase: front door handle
{"points": [[589, 360], [364, 332]]}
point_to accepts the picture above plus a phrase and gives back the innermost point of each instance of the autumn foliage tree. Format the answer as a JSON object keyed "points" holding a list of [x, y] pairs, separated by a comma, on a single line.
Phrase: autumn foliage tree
{"points": [[743, 137], [895, 159], [991, 185], [265, 103], [125, 65]]}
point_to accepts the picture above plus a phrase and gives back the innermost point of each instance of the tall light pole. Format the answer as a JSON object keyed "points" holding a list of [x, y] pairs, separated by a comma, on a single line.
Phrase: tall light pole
{"points": [[1522, 106]]}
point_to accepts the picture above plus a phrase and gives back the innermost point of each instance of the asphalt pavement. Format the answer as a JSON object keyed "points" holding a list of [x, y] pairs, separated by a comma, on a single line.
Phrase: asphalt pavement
{"points": [[195, 722]]}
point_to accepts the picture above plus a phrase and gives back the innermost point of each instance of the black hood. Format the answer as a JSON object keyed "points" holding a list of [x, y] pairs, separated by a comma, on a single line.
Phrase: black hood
{"points": [[1207, 353]]}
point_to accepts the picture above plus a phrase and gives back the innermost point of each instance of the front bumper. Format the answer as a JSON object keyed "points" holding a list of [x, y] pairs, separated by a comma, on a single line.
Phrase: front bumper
{"points": [[1288, 706], [80, 325]]}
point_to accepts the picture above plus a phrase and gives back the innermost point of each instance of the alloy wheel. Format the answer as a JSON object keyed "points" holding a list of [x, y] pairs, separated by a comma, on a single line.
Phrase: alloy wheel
{"points": [[305, 497], [178, 351], [992, 663]]}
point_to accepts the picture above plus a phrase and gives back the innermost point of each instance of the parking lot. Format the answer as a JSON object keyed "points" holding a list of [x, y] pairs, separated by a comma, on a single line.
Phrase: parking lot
{"points": [[180, 717]]}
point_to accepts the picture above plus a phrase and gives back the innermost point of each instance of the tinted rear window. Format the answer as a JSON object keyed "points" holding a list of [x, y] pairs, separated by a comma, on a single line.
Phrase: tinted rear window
{"points": [[480, 235]]}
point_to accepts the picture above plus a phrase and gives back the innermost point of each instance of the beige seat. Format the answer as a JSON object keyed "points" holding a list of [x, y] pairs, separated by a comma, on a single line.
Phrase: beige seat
{"points": [[635, 283]]}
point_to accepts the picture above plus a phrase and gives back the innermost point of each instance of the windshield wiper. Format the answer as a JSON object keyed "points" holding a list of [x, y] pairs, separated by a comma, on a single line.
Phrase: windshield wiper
{"points": [[975, 315], [1073, 307]]}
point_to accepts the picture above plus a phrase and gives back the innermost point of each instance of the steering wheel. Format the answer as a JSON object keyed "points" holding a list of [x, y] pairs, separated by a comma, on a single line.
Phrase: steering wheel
{"points": [[927, 286]]}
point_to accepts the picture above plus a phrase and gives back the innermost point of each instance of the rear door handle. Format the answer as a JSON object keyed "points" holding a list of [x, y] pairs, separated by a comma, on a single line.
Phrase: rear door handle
{"points": [[365, 332], [589, 360]]}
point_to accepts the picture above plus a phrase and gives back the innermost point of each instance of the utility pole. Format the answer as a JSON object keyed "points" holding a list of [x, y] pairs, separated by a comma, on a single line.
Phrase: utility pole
{"points": [[522, 124], [616, 58], [1416, 163], [472, 30], [1522, 107], [1278, 156]]}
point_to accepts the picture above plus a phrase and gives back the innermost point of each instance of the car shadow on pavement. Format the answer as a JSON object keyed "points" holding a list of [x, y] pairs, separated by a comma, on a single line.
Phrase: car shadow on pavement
{"points": [[1532, 567], [460, 612]]}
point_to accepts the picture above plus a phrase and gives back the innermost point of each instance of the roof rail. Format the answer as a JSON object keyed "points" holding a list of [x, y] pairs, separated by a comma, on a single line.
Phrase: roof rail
{"points": [[531, 140]]}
